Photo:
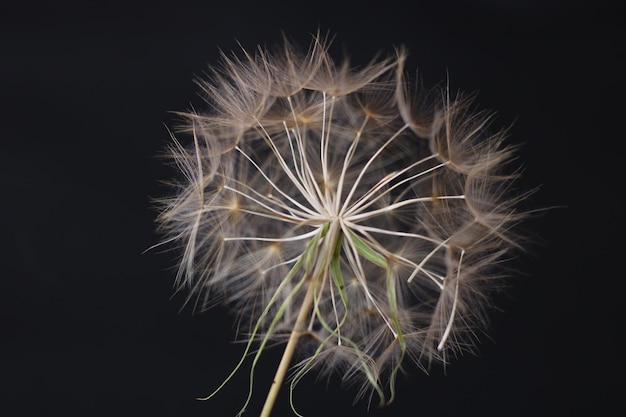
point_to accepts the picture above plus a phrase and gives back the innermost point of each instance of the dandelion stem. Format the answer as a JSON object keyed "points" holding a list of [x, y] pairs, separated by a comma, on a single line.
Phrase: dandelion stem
{"points": [[298, 329]]}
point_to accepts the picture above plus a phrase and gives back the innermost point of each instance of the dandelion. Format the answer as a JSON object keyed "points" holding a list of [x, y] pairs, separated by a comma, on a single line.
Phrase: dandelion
{"points": [[334, 209]]}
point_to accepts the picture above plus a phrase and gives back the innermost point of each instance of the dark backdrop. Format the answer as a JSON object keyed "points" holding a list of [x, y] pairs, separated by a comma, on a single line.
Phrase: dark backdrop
{"points": [[87, 324]]}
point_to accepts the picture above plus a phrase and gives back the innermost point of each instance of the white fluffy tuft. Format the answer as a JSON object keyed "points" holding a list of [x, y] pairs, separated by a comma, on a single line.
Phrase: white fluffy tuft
{"points": [[307, 173]]}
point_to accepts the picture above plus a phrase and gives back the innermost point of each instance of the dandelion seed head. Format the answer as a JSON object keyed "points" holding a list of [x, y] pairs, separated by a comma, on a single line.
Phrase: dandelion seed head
{"points": [[307, 173]]}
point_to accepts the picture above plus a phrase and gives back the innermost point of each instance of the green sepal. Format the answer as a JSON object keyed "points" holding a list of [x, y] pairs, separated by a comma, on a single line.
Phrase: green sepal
{"points": [[367, 252], [336, 274]]}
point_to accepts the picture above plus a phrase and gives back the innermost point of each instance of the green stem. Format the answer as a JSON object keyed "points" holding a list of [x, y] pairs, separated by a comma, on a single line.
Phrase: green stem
{"points": [[299, 328]]}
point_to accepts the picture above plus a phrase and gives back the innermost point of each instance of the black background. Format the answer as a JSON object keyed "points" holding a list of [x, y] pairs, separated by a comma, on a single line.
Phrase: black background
{"points": [[87, 324]]}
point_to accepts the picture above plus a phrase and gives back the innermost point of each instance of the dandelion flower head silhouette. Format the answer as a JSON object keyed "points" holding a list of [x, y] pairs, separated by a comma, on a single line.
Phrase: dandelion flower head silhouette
{"points": [[336, 209]]}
